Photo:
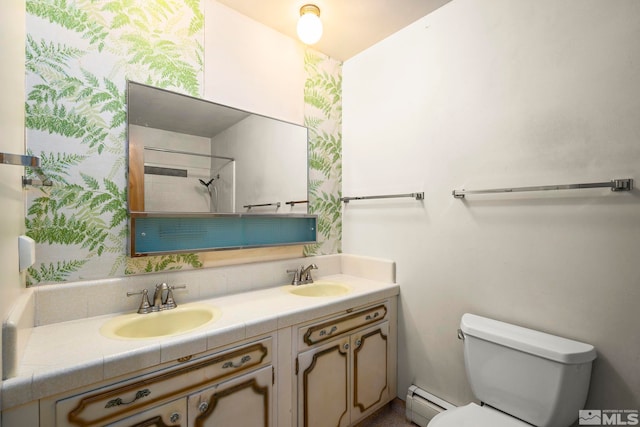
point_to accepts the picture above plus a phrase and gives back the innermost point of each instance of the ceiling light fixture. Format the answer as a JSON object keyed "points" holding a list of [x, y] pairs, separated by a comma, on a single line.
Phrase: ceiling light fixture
{"points": [[309, 24]]}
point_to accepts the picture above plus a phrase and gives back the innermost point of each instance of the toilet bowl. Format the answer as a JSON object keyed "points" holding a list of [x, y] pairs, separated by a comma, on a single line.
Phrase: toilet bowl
{"points": [[523, 377]]}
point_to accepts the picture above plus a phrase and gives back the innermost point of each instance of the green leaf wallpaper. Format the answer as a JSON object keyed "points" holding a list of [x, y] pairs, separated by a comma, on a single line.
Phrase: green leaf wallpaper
{"points": [[79, 55], [323, 117]]}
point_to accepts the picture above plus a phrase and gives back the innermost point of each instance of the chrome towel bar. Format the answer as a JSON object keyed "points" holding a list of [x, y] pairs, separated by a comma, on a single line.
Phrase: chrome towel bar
{"points": [[188, 153], [30, 162], [625, 184], [277, 205], [20, 160], [417, 196]]}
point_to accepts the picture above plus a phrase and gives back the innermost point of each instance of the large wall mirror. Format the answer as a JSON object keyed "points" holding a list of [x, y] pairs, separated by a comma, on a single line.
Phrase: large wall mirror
{"points": [[191, 155], [190, 158]]}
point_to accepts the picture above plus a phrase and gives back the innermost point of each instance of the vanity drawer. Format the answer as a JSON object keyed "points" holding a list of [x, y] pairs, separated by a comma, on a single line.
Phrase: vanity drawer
{"points": [[103, 406], [317, 333]]}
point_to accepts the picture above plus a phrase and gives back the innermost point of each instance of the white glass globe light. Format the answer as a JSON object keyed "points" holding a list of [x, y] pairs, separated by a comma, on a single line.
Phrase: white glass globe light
{"points": [[309, 25]]}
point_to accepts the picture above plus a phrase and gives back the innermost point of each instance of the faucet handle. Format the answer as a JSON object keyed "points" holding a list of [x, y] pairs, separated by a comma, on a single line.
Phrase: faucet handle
{"points": [[307, 277], [145, 307], [170, 302], [296, 277]]}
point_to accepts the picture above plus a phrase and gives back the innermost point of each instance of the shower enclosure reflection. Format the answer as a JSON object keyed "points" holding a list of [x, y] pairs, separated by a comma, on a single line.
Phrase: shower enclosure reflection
{"points": [[191, 155], [181, 174]]}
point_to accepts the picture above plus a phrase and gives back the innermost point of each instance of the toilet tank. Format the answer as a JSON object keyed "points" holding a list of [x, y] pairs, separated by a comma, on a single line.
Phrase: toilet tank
{"points": [[537, 377]]}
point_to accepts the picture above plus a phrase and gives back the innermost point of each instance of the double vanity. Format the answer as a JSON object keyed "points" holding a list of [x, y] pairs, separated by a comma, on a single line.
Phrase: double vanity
{"points": [[242, 348]]}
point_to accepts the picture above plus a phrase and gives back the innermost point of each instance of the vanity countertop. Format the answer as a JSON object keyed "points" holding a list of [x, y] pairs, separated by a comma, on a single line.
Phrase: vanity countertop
{"points": [[60, 357]]}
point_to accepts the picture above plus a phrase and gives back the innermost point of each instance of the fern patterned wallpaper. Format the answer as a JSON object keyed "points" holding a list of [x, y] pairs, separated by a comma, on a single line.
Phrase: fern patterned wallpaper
{"points": [[78, 58]]}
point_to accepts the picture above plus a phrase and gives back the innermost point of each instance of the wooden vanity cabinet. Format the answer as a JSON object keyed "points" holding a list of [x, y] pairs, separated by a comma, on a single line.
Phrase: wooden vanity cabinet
{"points": [[243, 401], [203, 392], [343, 377], [328, 372]]}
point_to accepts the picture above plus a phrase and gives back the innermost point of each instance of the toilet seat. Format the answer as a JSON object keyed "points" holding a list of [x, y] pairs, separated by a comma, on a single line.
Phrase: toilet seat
{"points": [[473, 415]]}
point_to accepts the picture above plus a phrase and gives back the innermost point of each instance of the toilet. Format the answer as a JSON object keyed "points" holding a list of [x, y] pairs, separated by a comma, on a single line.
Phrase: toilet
{"points": [[522, 377]]}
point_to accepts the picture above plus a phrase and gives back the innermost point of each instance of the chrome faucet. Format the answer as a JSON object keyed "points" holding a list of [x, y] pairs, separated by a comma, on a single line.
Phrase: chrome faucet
{"points": [[157, 295], [303, 275], [162, 298]]}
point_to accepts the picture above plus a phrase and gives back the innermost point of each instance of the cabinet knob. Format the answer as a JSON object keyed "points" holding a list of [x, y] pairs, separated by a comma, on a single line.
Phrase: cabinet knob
{"points": [[358, 342], [175, 417], [346, 346], [203, 407]]}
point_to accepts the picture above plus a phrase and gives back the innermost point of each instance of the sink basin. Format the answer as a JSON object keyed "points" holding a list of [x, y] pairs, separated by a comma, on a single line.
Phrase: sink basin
{"points": [[184, 318], [320, 289]]}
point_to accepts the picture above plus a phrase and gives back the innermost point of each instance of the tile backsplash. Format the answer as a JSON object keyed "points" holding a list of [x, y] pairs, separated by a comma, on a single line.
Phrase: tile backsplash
{"points": [[76, 300]]}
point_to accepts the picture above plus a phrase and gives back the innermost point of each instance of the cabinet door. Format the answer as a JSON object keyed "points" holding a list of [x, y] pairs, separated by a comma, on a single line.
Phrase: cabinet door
{"points": [[244, 401], [370, 370], [323, 385], [172, 414]]}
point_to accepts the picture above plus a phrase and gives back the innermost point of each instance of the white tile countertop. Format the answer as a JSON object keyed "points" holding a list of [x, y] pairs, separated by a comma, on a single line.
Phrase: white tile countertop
{"points": [[62, 356]]}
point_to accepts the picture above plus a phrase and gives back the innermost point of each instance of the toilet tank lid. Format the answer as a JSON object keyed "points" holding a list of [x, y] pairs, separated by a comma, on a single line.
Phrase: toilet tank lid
{"points": [[538, 343]]}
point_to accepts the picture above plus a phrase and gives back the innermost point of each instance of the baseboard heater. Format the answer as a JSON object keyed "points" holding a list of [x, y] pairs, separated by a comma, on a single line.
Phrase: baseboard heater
{"points": [[421, 406]]}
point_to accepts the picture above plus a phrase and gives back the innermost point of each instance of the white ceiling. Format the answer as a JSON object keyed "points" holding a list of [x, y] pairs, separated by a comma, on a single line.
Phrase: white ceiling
{"points": [[350, 26]]}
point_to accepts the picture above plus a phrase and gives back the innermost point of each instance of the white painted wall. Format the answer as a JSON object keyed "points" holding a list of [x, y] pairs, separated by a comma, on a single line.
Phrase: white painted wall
{"points": [[251, 66], [503, 93], [270, 163], [12, 41]]}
